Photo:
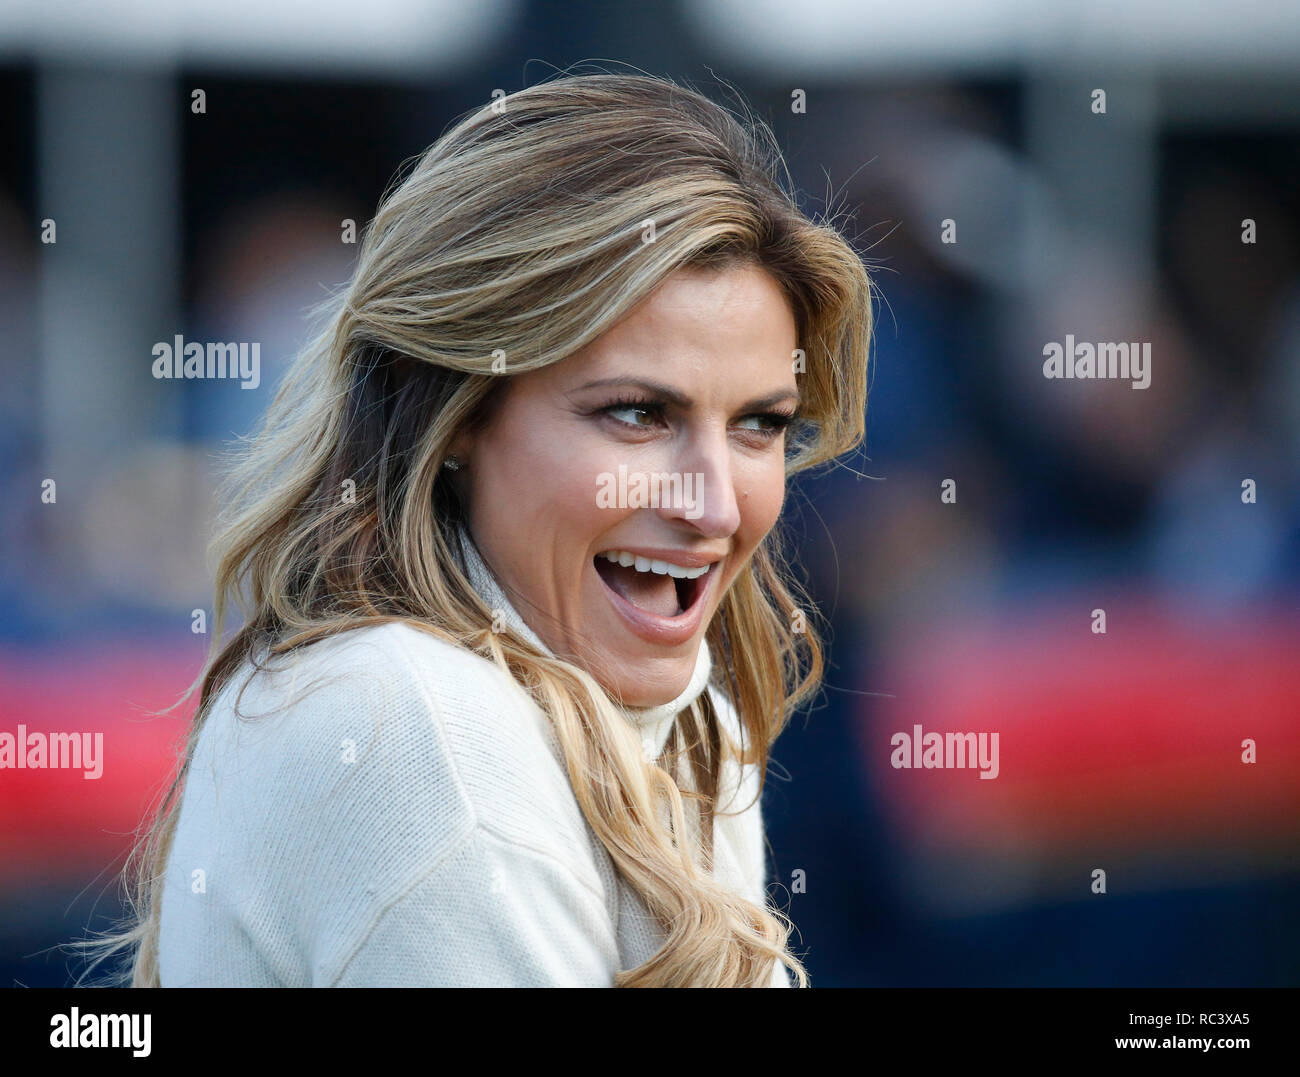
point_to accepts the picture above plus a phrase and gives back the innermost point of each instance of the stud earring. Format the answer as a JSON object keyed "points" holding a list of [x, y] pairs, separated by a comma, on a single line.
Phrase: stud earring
{"points": [[452, 464]]}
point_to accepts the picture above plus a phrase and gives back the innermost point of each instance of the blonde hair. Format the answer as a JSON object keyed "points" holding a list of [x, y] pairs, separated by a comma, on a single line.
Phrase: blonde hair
{"points": [[520, 231]]}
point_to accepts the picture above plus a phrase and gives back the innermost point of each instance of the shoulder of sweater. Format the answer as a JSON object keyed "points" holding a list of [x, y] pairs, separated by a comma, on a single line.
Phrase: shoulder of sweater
{"points": [[391, 727]]}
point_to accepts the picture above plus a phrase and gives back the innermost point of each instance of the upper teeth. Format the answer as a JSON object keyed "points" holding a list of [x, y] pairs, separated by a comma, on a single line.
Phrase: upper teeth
{"points": [[646, 564]]}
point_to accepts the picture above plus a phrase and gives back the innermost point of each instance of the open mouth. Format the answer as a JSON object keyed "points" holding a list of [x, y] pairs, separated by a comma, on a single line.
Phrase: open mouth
{"points": [[660, 588]]}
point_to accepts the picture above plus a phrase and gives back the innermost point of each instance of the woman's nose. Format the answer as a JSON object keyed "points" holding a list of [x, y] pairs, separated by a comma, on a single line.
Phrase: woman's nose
{"points": [[707, 490]]}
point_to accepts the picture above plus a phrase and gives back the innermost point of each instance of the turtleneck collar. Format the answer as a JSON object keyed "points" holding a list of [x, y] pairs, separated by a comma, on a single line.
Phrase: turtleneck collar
{"points": [[653, 723]]}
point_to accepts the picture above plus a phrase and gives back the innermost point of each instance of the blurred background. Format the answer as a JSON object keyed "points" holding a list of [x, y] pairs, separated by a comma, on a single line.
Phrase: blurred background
{"points": [[916, 124]]}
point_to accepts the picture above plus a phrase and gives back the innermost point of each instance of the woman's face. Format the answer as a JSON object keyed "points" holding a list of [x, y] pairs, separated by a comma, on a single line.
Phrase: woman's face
{"points": [[660, 444]]}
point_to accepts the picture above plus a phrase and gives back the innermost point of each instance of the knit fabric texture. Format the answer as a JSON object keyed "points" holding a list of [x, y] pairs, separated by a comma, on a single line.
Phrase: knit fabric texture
{"points": [[383, 808]]}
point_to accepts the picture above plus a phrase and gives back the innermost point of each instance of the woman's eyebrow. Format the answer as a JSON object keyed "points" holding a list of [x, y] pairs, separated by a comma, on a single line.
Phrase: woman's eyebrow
{"points": [[681, 400], [765, 402]]}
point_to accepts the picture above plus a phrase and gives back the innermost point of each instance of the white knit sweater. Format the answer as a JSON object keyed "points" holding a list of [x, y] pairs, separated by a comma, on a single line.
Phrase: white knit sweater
{"points": [[393, 810]]}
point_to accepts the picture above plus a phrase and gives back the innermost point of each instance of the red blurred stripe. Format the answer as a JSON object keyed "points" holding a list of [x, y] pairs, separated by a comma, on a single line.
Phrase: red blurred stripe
{"points": [[57, 822], [1132, 738]]}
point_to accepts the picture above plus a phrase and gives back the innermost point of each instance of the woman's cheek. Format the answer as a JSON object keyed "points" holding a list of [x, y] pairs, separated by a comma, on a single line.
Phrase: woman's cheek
{"points": [[565, 479], [763, 496]]}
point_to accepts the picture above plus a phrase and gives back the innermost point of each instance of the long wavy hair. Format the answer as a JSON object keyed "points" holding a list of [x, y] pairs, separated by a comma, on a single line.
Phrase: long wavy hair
{"points": [[520, 234]]}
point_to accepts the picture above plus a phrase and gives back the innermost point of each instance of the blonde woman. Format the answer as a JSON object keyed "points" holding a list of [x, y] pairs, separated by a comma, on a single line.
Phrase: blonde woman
{"points": [[517, 638]]}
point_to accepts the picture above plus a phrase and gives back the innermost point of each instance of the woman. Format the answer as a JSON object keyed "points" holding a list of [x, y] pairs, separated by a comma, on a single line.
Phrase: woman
{"points": [[517, 637]]}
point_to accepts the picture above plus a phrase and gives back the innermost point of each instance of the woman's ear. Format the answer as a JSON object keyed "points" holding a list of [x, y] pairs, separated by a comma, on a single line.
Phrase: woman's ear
{"points": [[458, 449], [461, 446]]}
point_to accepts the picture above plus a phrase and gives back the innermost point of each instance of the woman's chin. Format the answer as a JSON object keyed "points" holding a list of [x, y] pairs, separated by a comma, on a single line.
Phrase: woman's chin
{"points": [[648, 681]]}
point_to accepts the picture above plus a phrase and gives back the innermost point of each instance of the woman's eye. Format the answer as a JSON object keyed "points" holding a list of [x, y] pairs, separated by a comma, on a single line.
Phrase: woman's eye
{"points": [[632, 414], [645, 416], [767, 424]]}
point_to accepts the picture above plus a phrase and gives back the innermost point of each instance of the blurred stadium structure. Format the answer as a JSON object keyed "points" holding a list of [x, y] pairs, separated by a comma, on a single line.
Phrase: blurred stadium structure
{"points": [[1119, 751]]}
